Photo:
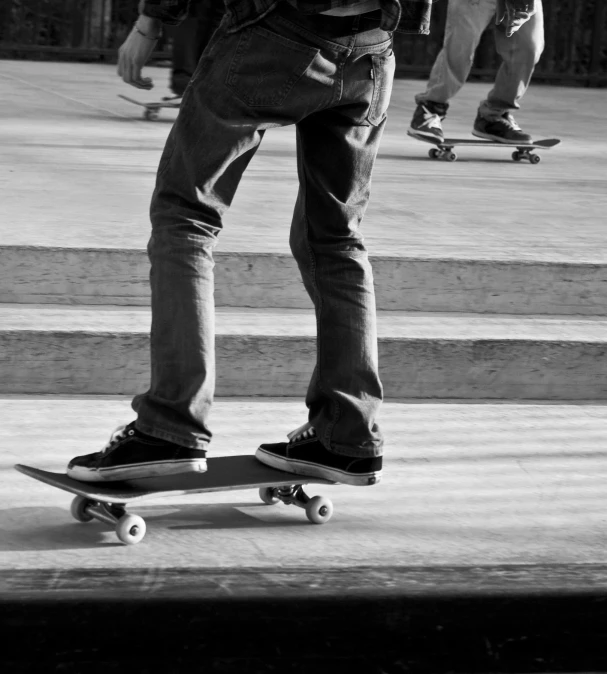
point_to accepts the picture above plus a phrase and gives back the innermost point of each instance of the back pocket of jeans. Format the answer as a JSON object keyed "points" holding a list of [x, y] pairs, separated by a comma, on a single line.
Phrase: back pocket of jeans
{"points": [[266, 66], [383, 77]]}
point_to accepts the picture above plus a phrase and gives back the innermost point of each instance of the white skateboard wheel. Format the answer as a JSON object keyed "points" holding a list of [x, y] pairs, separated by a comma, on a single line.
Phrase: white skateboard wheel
{"points": [[451, 156], [319, 509], [130, 529], [78, 509], [268, 495]]}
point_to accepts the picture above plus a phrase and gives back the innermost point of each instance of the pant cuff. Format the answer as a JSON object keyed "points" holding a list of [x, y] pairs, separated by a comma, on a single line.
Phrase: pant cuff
{"points": [[160, 434]]}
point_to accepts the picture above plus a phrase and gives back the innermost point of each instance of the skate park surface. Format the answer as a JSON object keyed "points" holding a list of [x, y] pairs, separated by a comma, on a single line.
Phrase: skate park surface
{"points": [[64, 130], [483, 548]]}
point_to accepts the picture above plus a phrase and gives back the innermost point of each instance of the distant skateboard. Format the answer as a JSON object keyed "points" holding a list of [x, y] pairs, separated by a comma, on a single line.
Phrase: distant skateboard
{"points": [[106, 501], [444, 149], [152, 110]]}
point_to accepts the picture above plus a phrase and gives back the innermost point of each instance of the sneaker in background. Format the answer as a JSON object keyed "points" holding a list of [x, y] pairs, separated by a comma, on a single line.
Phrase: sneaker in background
{"points": [[503, 129], [427, 120]]}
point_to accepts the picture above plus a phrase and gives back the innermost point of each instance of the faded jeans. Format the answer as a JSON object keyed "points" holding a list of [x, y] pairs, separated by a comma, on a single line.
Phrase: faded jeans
{"points": [[334, 84], [466, 21]]}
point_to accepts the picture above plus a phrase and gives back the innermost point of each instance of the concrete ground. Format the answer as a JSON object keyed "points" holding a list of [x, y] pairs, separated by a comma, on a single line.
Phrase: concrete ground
{"points": [[465, 485], [486, 536], [78, 167]]}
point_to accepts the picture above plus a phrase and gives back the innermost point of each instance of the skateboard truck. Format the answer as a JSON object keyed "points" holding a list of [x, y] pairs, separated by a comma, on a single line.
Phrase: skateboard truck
{"points": [[526, 153], [130, 529], [318, 508]]}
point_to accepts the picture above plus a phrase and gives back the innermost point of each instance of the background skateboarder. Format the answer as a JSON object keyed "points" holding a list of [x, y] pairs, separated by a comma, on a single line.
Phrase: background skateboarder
{"points": [[520, 51]]}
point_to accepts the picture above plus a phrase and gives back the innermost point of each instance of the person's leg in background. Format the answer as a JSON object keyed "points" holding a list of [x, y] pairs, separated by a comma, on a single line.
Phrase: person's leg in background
{"points": [[190, 39], [520, 54], [466, 22]]}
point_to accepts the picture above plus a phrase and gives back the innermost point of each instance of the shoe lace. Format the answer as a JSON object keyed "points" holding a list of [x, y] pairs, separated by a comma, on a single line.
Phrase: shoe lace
{"points": [[302, 433], [509, 120], [118, 434], [431, 119]]}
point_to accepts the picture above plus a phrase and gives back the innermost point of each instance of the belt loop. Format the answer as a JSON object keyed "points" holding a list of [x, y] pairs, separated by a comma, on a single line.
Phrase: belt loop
{"points": [[356, 24]]}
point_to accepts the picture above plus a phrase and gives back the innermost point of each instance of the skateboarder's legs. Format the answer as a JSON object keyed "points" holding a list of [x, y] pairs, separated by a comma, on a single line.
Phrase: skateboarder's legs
{"points": [[335, 153], [466, 22], [325, 87], [520, 54]]}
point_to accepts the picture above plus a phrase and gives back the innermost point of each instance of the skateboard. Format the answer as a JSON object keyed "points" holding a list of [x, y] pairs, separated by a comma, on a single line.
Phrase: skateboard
{"points": [[444, 150], [151, 111], [107, 501]]}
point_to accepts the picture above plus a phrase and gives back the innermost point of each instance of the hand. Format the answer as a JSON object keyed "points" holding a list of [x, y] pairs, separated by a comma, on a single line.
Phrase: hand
{"points": [[514, 13], [134, 54]]}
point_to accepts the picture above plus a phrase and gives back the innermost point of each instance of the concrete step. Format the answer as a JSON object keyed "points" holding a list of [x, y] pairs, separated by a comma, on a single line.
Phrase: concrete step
{"points": [[45, 274], [271, 352]]}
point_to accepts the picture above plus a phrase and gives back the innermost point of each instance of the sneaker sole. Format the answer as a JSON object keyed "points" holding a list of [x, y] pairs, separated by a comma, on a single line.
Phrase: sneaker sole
{"points": [[413, 133], [497, 139], [137, 471], [307, 469]]}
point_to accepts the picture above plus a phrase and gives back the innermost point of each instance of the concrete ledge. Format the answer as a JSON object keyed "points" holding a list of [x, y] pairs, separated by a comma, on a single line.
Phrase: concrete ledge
{"points": [[271, 352], [300, 631], [30, 274], [315, 583]]}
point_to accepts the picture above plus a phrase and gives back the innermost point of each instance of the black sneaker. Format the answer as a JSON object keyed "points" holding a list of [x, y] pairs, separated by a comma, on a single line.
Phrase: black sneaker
{"points": [[503, 129], [427, 120], [305, 455], [130, 455]]}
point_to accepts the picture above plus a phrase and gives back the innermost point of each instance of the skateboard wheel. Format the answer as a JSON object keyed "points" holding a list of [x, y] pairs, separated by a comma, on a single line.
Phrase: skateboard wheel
{"points": [[268, 495], [433, 153], [151, 115], [450, 156], [130, 529], [534, 158], [319, 509], [78, 509], [516, 155]]}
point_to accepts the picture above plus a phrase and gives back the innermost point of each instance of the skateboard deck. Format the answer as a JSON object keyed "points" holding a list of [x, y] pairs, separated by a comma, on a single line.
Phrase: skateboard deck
{"points": [[151, 111], [444, 149], [106, 501]]}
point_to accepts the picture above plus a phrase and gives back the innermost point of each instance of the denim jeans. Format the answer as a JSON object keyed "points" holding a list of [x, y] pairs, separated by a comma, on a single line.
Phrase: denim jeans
{"points": [[466, 21], [332, 78]]}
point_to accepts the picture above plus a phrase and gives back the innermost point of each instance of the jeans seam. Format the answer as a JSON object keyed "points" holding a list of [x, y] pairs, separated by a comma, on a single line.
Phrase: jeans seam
{"points": [[335, 404], [340, 89]]}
